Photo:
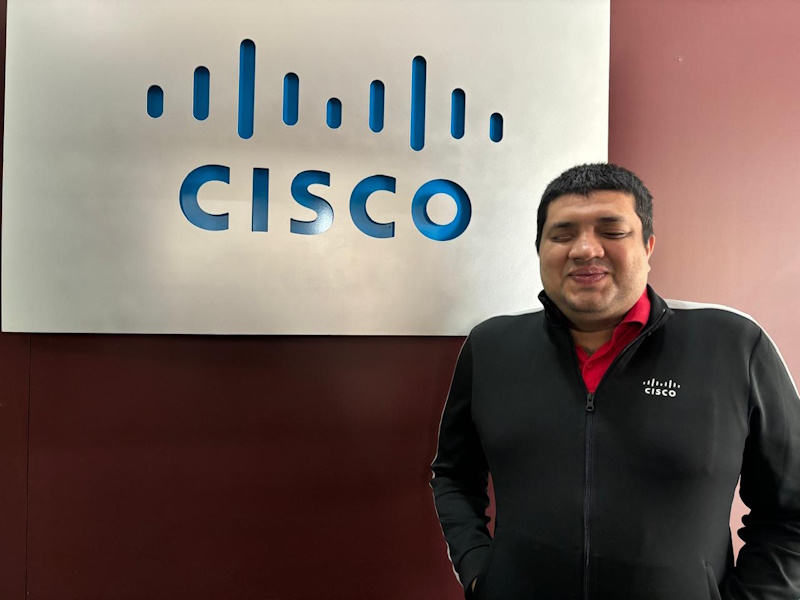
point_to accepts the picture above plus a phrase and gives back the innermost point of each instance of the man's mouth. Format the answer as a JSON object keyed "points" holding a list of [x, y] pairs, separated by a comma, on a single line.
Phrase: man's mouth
{"points": [[588, 276]]}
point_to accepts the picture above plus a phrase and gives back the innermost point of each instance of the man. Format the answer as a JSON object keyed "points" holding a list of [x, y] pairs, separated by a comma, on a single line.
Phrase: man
{"points": [[615, 426]]}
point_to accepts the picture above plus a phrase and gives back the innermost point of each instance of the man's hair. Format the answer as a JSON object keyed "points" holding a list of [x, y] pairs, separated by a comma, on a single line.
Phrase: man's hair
{"points": [[583, 179]]}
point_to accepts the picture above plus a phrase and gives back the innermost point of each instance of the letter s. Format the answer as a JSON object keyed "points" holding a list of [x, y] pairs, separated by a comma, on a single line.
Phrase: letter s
{"points": [[188, 197], [319, 205]]}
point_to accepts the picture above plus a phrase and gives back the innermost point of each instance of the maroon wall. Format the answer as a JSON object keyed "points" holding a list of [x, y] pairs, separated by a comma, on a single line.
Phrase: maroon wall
{"points": [[272, 467], [264, 467], [705, 107]]}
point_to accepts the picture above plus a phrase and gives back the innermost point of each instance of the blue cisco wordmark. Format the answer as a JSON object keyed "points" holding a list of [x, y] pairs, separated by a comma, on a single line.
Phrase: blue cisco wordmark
{"points": [[202, 83], [418, 83], [155, 101], [334, 113], [358, 204], [247, 88], [377, 93], [291, 98]]}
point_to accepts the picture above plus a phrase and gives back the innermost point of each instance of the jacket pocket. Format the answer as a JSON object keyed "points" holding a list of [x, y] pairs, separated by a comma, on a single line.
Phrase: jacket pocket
{"points": [[713, 589], [476, 594]]}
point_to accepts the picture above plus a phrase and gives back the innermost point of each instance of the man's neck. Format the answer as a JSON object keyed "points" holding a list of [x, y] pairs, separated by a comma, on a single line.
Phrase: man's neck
{"points": [[590, 341]]}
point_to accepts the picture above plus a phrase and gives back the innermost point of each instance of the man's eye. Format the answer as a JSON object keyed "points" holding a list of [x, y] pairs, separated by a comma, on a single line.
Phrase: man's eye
{"points": [[562, 238], [615, 234]]}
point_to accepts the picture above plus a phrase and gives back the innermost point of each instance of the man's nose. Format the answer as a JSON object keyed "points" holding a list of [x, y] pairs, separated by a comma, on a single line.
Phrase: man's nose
{"points": [[586, 247]]}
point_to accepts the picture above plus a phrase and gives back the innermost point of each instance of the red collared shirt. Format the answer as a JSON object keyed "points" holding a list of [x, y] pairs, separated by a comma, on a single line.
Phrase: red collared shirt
{"points": [[595, 366]]}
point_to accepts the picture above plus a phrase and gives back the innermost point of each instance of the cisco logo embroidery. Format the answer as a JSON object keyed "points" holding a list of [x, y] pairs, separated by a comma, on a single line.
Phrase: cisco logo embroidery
{"points": [[302, 181], [653, 387]]}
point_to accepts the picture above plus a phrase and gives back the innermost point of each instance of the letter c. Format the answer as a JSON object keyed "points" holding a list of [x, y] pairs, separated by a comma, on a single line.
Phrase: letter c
{"points": [[188, 197], [358, 205]]}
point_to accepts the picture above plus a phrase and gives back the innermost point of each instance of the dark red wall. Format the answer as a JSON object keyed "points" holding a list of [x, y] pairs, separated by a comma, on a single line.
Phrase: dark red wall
{"points": [[264, 467], [705, 106], [296, 467]]}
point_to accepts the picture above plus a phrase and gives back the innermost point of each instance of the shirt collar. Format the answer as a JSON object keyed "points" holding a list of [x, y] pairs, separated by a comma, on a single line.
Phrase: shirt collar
{"points": [[632, 323], [639, 312]]}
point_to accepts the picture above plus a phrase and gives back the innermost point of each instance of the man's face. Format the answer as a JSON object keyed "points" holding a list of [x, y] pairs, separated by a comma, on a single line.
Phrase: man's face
{"points": [[592, 259]]}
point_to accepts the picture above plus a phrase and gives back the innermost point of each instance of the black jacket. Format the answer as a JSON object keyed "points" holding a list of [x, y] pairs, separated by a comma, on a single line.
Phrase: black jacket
{"points": [[624, 494]]}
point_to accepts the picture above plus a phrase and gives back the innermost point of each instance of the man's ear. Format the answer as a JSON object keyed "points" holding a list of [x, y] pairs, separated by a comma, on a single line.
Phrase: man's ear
{"points": [[650, 245]]}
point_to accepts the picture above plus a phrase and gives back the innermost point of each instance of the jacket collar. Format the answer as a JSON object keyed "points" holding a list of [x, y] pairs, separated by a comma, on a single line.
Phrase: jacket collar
{"points": [[658, 307]]}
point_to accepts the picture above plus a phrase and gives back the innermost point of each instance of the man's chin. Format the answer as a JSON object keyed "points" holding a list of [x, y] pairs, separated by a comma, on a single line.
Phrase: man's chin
{"points": [[588, 303], [589, 309]]}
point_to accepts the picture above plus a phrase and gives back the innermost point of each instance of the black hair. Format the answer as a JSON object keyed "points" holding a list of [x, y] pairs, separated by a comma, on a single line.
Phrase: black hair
{"points": [[584, 179]]}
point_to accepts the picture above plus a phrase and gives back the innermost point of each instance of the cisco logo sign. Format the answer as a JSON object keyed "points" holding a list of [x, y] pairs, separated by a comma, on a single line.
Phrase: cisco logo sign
{"points": [[301, 183], [288, 168]]}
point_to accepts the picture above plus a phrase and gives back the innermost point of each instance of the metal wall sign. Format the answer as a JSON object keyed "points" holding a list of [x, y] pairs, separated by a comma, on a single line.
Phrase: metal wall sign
{"points": [[304, 167]]}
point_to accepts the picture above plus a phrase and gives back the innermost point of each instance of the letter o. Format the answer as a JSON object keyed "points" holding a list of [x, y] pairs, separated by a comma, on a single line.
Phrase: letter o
{"points": [[419, 210]]}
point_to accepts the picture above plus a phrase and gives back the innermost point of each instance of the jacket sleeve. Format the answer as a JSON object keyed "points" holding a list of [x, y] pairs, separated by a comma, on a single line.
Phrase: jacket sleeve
{"points": [[768, 566], [460, 477]]}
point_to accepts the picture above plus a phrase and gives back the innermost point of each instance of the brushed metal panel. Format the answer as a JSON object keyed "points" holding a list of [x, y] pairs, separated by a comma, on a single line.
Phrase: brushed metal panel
{"points": [[94, 239]]}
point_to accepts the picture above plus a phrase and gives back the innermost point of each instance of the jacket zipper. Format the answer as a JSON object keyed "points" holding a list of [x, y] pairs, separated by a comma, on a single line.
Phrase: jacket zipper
{"points": [[587, 482], [587, 490]]}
